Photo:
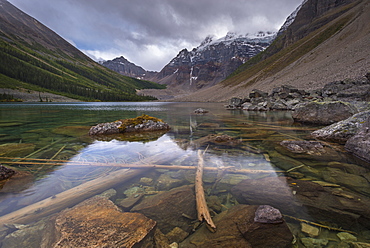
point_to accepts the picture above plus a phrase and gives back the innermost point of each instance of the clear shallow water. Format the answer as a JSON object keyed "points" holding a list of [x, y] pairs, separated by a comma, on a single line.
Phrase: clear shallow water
{"points": [[59, 131]]}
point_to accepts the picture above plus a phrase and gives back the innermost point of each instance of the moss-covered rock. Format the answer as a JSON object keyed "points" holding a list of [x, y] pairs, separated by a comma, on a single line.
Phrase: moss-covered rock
{"points": [[141, 123]]}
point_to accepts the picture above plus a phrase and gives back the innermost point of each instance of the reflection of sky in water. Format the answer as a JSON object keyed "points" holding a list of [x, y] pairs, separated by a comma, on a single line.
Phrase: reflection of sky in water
{"points": [[123, 151], [72, 174]]}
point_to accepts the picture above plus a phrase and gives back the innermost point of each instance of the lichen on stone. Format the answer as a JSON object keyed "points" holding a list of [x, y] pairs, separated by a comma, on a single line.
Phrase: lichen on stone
{"points": [[138, 124]]}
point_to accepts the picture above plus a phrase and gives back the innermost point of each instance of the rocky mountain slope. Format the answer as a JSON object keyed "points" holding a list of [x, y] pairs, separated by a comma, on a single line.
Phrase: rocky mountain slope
{"points": [[126, 68], [324, 41], [35, 58], [208, 64]]}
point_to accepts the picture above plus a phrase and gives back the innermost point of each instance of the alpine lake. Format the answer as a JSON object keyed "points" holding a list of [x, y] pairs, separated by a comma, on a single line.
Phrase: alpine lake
{"points": [[320, 195]]}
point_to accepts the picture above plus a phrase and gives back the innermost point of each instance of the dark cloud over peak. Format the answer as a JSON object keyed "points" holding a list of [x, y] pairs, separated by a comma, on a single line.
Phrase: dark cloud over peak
{"points": [[150, 33]]}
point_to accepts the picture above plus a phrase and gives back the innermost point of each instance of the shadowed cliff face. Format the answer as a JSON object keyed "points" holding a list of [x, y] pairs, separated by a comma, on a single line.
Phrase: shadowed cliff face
{"points": [[312, 15]]}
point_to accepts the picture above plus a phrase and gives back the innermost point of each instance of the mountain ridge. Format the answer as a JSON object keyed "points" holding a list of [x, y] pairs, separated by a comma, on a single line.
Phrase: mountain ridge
{"points": [[314, 50], [127, 68], [208, 64]]}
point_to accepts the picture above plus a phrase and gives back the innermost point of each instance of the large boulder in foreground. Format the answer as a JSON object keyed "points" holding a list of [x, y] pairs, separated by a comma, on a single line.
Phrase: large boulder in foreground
{"points": [[359, 144], [143, 123], [343, 130], [244, 226], [97, 222], [323, 113]]}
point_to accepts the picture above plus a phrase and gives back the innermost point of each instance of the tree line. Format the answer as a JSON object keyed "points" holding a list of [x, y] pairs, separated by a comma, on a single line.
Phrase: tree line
{"points": [[23, 67]]}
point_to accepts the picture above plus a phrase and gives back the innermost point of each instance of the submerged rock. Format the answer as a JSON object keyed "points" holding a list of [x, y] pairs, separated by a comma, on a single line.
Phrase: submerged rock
{"points": [[323, 113], [311, 231], [314, 243], [73, 131], [237, 227], [267, 191], [309, 150], [170, 208], [344, 236], [357, 183], [300, 198], [177, 235], [16, 149], [34, 235], [143, 123], [215, 139], [166, 182]]}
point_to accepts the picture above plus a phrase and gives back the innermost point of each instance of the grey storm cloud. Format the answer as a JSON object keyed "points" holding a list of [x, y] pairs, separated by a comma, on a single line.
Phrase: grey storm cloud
{"points": [[151, 32]]}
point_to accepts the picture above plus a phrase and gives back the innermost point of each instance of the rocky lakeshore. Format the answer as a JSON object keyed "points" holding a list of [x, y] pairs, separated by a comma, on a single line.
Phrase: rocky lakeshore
{"points": [[285, 97], [344, 105]]}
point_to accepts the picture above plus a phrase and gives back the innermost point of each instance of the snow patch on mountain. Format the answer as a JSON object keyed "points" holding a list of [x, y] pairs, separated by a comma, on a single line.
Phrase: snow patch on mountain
{"points": [[243, 39]]}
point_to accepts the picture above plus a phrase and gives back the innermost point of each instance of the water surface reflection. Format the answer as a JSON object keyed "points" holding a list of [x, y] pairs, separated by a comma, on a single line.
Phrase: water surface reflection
{"points": [[307, 187]]}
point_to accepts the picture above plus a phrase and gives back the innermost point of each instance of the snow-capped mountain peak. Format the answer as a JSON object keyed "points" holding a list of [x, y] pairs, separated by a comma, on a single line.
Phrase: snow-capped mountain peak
{"points": [[259, 37], [213, 60]]}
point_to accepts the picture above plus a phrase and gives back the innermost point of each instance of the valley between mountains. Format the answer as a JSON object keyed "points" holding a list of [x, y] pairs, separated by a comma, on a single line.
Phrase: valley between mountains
{"points": [[320, 42]]}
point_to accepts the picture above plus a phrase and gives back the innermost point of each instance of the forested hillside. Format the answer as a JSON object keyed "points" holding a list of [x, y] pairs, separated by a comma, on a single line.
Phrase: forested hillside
{"points": [[34, 57]]}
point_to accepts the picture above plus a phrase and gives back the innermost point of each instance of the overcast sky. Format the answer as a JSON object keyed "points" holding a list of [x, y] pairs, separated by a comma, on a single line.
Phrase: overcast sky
{"points": [[150, 33]]}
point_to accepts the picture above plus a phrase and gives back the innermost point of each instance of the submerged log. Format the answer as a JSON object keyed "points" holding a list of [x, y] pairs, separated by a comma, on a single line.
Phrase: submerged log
{"points": [[229, 169], [77, 194], [203, 212], [68, 198]]}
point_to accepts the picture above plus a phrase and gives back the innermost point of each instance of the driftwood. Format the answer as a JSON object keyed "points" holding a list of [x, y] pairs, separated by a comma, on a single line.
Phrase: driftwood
{"points": [[229, 169], [75, 195], [203, 212], [67, 198]]}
